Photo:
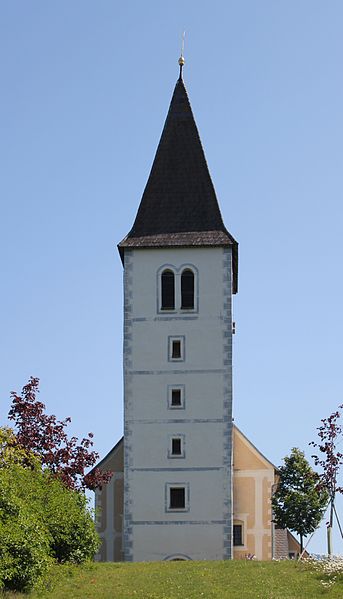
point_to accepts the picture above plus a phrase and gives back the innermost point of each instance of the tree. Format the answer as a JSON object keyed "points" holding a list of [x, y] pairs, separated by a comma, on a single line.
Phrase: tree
{"points": [[24, 539], [46, 437], [41, 520], [297, 503], [330, 460], [24, 542]]}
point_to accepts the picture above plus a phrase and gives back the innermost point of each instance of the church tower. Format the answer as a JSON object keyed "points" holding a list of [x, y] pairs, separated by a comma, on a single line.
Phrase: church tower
{"points": [[180, 271]]}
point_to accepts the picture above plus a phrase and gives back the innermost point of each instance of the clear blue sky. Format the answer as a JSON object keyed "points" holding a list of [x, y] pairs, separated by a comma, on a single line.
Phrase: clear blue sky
{"points": [[85, 88]]}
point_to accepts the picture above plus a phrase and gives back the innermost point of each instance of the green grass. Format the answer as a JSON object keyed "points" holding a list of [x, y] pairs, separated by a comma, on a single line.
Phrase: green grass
{"points": [[186, 580]]}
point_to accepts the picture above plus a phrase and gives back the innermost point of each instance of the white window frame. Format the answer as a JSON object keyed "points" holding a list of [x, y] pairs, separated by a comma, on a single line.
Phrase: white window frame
{"points": [[161, 270], [177, 282], [176, 485], [176, 456], [171, 339]]}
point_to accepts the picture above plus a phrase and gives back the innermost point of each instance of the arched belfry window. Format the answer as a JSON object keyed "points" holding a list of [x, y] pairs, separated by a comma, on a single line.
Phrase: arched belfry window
{"points": [[187, 289], [167, 290]]}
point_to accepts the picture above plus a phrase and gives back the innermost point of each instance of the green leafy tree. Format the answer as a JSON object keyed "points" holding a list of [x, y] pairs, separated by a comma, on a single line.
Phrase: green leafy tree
{"points": [[24, 538], [12, 453], [69, 522], [41, 520], [298, 502]]}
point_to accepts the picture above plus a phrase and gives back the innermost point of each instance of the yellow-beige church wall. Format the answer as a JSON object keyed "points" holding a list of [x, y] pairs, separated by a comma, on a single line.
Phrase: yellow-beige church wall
{"points": [[253, 480], [101, 510], [109, 507]]}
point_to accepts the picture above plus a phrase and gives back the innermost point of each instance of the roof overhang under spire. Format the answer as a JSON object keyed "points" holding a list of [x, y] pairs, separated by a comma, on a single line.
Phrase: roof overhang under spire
{"points": [[184, 240]]}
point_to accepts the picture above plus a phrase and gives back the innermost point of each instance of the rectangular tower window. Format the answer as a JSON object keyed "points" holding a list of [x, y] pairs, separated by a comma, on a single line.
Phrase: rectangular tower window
{"points": [[176, 446], [176, 348], [176, 397], [177, 498]]}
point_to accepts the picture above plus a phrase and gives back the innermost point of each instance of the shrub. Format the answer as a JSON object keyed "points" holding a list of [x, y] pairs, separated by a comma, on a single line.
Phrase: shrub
{"points": [[70, 524], [40, 519], [24, 543]]}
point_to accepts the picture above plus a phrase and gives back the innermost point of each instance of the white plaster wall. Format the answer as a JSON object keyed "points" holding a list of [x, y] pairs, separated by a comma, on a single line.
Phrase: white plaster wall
{"points": [[206, 375], [203, 395], [205, 498], [203, 444], [202, 350], [196, 541], [148, 261]]}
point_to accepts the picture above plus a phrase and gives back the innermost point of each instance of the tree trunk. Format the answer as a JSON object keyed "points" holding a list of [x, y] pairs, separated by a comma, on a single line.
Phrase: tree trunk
{"points": [[301, 544], [329, 530]]}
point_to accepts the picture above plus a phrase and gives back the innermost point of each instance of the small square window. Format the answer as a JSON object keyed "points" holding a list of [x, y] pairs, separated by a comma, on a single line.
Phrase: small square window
{"points": [[177, 497], [176, 348], [176, 397]]}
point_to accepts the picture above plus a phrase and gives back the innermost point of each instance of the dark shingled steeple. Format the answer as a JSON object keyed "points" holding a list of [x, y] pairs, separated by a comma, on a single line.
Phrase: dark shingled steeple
{"points": [[179, 207]]}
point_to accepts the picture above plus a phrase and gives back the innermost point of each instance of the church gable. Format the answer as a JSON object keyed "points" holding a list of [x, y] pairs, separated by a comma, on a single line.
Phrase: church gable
{"points": [[246, 456], [114, 460]]}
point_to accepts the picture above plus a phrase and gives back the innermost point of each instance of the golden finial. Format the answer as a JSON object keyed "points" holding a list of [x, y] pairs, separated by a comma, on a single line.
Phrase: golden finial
{"points": [[181, 59]]}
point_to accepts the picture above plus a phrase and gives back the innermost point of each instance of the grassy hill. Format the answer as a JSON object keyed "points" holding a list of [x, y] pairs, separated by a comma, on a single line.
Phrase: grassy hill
{"points": [[188, 580]]}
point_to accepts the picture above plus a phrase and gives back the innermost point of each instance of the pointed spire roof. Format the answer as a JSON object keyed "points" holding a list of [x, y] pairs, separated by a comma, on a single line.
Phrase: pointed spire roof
{"points": [[179, 205]]}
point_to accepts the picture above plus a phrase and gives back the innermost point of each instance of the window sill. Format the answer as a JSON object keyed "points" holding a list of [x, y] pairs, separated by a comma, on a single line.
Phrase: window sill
{"points": [[172, 456], [177, 311]]}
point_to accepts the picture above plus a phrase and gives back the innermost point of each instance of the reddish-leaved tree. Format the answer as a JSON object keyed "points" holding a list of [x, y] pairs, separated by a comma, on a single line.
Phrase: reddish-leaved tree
{"points": [[330, 460], [46, 437]]}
